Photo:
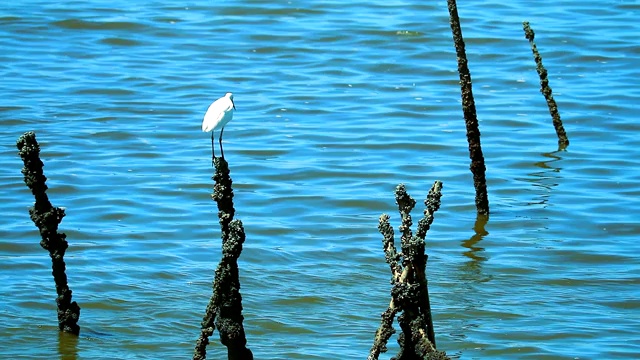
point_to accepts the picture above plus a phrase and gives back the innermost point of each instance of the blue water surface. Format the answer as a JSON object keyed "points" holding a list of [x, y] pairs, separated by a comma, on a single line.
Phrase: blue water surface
{"points": [[337, 103]]}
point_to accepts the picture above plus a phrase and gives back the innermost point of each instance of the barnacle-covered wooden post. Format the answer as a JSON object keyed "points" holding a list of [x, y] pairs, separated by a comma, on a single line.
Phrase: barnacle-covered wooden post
{"points": [[477, 166], [545, 89], [225, 307], [409, 293], [47, 218]]}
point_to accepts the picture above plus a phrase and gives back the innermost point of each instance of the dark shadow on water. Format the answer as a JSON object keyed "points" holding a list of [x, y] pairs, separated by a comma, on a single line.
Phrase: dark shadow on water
{"points": [[67, 346]]}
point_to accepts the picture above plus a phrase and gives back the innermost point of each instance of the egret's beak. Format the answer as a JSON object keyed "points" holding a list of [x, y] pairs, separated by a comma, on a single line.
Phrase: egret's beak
{"points": [[234, 104]]}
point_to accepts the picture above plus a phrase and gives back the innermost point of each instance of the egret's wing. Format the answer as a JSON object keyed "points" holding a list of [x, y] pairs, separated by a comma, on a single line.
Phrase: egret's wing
{"points": [[214, 114], [227, 115]]}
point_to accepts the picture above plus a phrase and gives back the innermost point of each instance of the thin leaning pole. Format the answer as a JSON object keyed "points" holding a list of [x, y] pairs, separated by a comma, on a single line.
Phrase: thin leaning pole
{"points": [[477, 166], [545, 89]]}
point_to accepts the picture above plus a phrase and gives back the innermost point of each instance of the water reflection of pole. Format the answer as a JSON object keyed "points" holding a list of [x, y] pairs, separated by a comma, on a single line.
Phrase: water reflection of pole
{"points": [[475, 252], [546, 178], [67, 346]]}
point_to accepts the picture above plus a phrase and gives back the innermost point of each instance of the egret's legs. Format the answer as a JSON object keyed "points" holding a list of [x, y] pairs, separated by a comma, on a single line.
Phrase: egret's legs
{"points": [[221, 150], [213, 152]]}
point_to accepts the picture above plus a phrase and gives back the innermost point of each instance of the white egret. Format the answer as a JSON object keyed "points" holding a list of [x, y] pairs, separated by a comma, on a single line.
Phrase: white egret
{"points": [[220, 112]]}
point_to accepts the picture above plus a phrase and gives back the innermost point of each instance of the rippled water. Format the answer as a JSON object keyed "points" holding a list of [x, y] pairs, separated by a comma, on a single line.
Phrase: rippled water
{"points": [[337, 103]]}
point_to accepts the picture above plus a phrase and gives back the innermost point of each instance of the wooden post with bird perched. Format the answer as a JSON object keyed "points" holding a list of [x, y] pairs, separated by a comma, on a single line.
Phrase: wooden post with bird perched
{"points": [[219, 113], [224, 310]]}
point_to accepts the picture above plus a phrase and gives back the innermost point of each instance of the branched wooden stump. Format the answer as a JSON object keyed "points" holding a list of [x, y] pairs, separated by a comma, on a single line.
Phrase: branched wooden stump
{"points": [[409, 293]]}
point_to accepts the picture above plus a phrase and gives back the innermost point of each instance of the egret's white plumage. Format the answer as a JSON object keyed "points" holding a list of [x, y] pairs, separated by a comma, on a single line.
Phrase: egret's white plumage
{"points": [[220, 112]]}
